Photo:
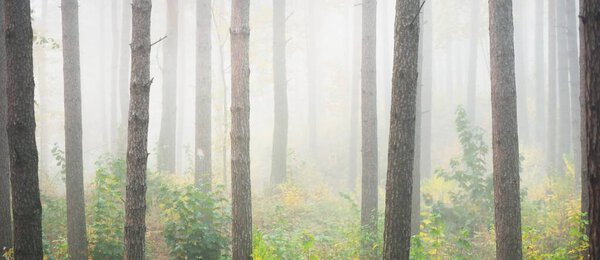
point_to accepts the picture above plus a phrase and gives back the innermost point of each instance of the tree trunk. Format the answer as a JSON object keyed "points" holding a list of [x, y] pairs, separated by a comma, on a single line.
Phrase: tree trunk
{"points": [[355, 92], [590, 50], [124, 71], [240, 131], [76, 231], [564, 106], [572, 36], [369, 143], [26, 207], [540, 83], [137, 134], [5, 215], [203, 163], [401, 149], [311, 77], [551, 105], [473, 43], [505, 131], [168, 125], [585, 187], [280, 129]]}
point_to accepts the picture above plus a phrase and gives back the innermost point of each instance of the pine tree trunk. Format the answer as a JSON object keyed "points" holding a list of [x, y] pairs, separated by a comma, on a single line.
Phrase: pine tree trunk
{"points": [[240, 131], [505, 131], [76, 231], [473, 43], [203, 163], [369, 127], [137, 134], [551, 153], [564, 103], [166, 141], [26, 207], [590, 50], [540, 76], [5, 217], [585, 187], [280, 129], [401, 149], [124, 71]]}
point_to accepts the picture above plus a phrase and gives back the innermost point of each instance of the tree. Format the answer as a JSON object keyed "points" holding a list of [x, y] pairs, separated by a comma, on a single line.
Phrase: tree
{"points": [[5, 218], [540, 85], [473, 42], [280, 129], [240, 131], [311, 77], [520, 68], [137, 133], [574, 86], [124, 70], [355, 88], [166, 141], [505, 131], [564, 106], [369, 126], [114, 73], [203, 170], [20, 127], [551, 104], [76, 234], [401, 149], [590, 65]]}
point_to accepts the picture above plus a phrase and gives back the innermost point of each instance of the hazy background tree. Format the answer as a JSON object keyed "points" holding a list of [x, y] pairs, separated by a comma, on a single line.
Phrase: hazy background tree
{"points": [[166, 141], [402, 131], [473, 50], [203, 158], [124, 73], [76, 230], [137, 133], [20, 127], [354, 96], [505, 131], [574, 87], [311, 76], [551, 152], [113, 102], [5, 215], [240, 131], [540, 75], [280, 130], [564, 106]]}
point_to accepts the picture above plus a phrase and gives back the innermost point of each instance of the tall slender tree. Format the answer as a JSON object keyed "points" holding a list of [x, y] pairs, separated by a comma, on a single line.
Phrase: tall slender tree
{"points": [[5, 218], [426, 88], [203, 171], [472, 74], [585, 183], [369, 126], [137, 134], [551, 102], [505, 131], [354, 96], [520, 71], [76, 232], [114, 72], [280, 129], [20, 127], [240, 131], [540, 76], [574, 85], [311, 77], [166, 141], [564, 102], [401, 149], [124, 71], [590, 65]]}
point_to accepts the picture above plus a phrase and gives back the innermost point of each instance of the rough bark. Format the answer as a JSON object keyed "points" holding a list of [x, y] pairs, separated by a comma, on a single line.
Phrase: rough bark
{"points": [[166, 141], [203, 163], [540, 76], [505, 132], [472, 73], [137, 133], [5, 215], [590, 50], [564, 103], [585, 199], [240, 131], [355, 92], [124, 71], [280, 129], [26, 207], [574, 86], [401, 149], [551, 154], [76, 231], [311, 77], [369, 143]]}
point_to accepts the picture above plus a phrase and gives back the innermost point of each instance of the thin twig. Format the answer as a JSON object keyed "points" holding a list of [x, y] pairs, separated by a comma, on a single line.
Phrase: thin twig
{"points": [[418, 13], [159, 40]]}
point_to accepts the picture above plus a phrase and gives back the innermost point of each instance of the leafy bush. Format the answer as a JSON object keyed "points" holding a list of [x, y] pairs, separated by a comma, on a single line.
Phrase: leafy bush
{"points": [[54, 227]]}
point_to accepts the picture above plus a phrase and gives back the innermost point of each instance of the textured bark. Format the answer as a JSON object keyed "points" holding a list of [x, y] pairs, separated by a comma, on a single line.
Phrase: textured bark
{"points": [[5, 215], [368, 219], [401, 149], [564, 102], [590, 22], [203, 163], [137, 134], [124, 71], [280, 129], [76, 232], [472, 73], [168, 125], [551, 154], [540, 76], [355, 92], [505, 132], [26, 207], [585, 199], [240, 131], [574, 86], [311, 78]]}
